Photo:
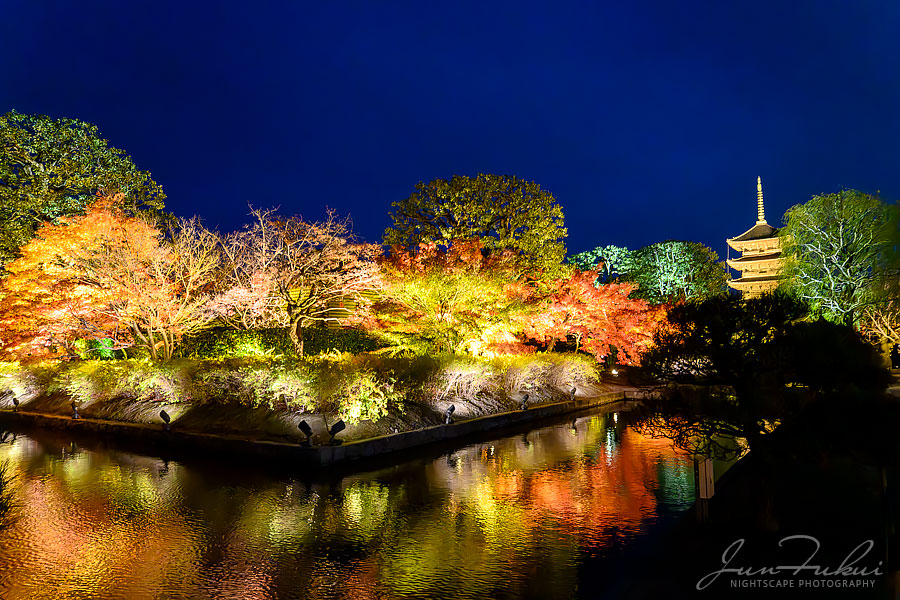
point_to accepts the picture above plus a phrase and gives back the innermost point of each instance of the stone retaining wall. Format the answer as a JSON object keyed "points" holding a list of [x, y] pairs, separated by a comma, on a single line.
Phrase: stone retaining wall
{"points": [[316, 456]]}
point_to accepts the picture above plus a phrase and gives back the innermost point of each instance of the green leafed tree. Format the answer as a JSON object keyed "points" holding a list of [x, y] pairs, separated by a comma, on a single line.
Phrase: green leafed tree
{"points": [[55, 167], [676, 270], [840, 253], [613, 261], [501, 211]]}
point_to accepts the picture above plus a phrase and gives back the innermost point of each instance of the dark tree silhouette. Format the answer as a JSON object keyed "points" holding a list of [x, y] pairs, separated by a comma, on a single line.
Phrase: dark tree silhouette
{"points": [[740, 369]]}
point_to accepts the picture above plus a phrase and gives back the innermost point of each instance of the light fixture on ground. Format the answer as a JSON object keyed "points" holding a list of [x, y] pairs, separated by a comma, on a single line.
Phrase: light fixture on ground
{"points": [[15, 404], [525, 402], [336, 429], [75, 414], [448, 416], [166, 420], [306, 430], [572, 394]]}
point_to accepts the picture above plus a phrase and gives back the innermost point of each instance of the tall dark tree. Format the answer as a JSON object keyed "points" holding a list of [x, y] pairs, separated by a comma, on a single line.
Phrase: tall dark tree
{"points": [[743, 367], [55, 167], [503, 212]]}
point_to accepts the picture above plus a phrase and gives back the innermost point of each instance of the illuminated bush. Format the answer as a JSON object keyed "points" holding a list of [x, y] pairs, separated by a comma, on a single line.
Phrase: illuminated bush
{"points": [[90, 381], [101, 349], [353, 387], [461, 377], [262, 383], [26, 381], [231, 343], [367, 395]]}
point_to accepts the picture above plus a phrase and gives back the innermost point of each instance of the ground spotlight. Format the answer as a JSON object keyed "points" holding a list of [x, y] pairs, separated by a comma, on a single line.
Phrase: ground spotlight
{"points": [[306, 430], [448, 416], [336, 429], [75, 414], [166, 419], [15, 404], [572, 394], [525, 402]]}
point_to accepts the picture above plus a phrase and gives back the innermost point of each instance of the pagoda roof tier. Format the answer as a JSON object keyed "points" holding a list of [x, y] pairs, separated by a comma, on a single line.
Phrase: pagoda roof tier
{"points": [[760, 231], [744, 260], [737, 283]]}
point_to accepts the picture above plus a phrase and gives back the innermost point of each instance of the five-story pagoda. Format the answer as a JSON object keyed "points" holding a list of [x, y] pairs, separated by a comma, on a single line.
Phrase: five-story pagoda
{"points": [[760, 261]]}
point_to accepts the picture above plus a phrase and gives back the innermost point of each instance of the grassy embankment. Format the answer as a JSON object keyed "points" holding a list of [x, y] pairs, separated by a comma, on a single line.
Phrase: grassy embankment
{"points": [[264, 397]]}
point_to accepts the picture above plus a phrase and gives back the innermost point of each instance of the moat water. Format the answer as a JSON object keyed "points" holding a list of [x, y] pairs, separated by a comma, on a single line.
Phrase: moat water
{"points": [[549, 514]]}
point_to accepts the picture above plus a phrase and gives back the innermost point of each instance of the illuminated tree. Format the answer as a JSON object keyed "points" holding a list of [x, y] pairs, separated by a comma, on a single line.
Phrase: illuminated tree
{"points": [[675, 270], [502, 211], [600, 318], [839, 251], [46, 302], [108, 275], [55, 167], [612, 261], [290, 270], [880, 320], [248, 298], [161, 288], [456, 299]]}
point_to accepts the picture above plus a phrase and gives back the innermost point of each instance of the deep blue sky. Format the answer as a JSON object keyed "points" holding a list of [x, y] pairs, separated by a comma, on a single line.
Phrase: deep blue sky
{"points": [[648, 120]]}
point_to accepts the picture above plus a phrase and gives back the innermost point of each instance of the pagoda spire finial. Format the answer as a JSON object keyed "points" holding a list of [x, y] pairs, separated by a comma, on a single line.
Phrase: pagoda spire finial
{"points": [[760, 211]]}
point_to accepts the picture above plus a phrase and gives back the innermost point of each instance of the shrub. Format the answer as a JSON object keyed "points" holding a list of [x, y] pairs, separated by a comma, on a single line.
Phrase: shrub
{"points": [[27, 381], [464, 377], [92, 380], [101, 349], [257, 383], [366, 394], [232, 343]]}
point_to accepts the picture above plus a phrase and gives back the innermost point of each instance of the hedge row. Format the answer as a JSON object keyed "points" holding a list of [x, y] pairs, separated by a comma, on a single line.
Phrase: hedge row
{"points": [[222, 342]]}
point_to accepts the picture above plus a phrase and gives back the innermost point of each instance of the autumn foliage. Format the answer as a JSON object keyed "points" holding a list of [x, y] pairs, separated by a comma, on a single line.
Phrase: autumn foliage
{"points": [[466, 299], [598, 317], [107, 275], [117, 277], [455, 299]]}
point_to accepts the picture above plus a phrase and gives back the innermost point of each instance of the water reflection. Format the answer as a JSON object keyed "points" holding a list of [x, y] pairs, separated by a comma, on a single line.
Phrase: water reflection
{"points": [[507, 519]]}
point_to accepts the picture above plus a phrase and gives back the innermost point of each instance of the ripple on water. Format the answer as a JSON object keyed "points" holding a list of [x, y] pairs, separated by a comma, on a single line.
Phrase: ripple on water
{"points": [[495, 519]]}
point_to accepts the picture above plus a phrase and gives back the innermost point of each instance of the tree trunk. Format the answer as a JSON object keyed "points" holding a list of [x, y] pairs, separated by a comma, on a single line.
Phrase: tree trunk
{"points": [[296, 333]]}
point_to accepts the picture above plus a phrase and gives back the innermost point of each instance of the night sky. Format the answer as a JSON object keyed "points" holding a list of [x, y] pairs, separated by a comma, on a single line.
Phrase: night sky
{"points": [[646, 120]]}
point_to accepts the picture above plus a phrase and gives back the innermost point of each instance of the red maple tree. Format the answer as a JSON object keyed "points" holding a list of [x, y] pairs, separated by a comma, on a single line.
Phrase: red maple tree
{"points": [[597, 317]]}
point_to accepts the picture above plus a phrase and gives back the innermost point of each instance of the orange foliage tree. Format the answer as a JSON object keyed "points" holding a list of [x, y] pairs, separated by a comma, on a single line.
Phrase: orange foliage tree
{"points": [[598, 317], [107, 275]]}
